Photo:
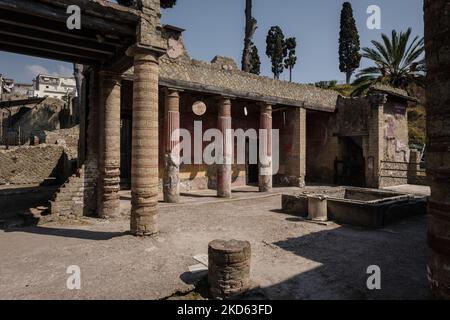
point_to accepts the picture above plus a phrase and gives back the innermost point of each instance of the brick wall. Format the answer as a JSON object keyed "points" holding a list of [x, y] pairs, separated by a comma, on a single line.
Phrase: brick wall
{"points": [[33, 164], [77, 197]]}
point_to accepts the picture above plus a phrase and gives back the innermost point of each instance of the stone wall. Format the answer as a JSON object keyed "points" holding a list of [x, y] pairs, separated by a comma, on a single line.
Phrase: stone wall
{"points": [[416, 174], [34, 165], [68, 138], [322, 147], [292, 146], [77, 197], [395, 161], [437, 44]]}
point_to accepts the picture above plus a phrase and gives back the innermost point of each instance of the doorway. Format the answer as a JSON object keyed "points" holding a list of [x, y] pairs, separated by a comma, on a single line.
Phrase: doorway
{"points": [[252, 160]]}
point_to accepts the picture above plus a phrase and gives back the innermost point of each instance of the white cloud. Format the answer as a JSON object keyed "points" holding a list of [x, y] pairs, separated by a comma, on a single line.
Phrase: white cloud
{"points": [[61, 70], [36, 69], [64, 71]]}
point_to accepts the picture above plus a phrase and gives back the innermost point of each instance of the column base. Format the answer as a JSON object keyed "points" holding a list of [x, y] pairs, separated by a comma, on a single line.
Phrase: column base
{"points": [[171, 183], [143, 217], [265, 183]]}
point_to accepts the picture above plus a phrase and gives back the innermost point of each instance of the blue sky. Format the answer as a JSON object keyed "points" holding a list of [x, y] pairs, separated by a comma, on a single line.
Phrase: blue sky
{"points": [[216, 27]]}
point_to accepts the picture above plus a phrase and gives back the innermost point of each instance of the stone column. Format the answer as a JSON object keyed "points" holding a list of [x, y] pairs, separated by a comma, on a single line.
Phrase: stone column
{"points": [[109, 135], [228, 268], [375, 152], [145, 152], [224, 170], [437, 44], [265, 149], [171, 181], [296, 164]]}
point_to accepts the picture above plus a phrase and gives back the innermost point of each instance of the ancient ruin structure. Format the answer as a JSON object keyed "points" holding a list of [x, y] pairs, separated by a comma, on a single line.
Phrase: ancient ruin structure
{"points": [[140, 86], [437, 42]]}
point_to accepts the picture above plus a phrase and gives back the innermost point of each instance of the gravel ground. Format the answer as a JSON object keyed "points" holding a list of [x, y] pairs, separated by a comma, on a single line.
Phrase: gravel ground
{"points": [[291, 259]]}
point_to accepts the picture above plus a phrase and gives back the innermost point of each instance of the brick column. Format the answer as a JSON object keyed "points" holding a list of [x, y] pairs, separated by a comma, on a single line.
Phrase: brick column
{"points": [[144, 164], [296, 165], [224, 170], [171, 181], [375, 152], [109, 138], [265, 149], [437, 42]]}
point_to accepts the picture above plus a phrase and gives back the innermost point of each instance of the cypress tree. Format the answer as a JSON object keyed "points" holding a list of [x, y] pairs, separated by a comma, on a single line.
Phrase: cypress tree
{"points": [[349, 45], [275, 50], [291, 59]]}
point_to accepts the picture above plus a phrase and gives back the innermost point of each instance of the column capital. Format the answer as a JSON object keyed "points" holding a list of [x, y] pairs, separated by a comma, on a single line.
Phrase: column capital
{"points": [[224, 107], [144, 52], [266, 108], [171, 91]]}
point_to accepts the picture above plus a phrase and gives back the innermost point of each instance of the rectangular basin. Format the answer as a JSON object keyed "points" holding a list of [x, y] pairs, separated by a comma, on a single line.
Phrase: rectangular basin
{"points": [[362, 207]]}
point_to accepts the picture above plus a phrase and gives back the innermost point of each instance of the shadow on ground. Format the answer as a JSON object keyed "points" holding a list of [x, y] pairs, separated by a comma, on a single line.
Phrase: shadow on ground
{"points": [[343, 256], [69, 233]]}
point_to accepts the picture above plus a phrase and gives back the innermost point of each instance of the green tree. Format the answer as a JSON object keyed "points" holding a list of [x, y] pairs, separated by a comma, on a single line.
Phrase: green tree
{"points": [[349, 45], [255, 61], [250, 29], [276, 50], [164, 3], [291, 57], [398, 61]]}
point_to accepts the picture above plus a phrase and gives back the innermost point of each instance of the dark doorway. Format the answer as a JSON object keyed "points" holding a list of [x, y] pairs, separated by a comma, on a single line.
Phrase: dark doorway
{"points": [[125, 153], [251, 148], [350, 168]]}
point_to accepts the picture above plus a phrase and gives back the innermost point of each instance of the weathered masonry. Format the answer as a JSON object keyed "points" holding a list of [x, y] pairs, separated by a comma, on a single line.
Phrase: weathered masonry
{"points": [[228, 99], [140, 86], [364, 143], [112, 39], [437, 44]]}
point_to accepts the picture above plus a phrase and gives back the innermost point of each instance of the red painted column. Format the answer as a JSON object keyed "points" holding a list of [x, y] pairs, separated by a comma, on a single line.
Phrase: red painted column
{"points": [[265, 149], [224, 170], [171, 182]]}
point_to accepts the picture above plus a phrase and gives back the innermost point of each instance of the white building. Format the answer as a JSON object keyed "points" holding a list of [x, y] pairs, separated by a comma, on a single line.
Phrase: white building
{"points": [[54, 86]]}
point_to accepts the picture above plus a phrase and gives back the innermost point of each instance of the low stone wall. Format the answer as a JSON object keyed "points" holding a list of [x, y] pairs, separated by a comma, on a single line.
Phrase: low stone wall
{"points": [[77, 197], [33, 165], [67, 138]]}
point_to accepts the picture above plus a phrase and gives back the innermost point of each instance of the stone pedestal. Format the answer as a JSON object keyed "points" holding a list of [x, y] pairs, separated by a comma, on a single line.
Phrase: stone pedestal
{"points": [[224, 169], [109, 139], [228, 268], [265, 149], [171, 182], [144, 164]]}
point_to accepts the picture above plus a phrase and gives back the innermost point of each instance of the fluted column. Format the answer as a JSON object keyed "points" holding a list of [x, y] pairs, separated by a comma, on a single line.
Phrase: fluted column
{"points": [[437, 44], [224, 169], [171, 183], [265, 149], [144, 164], [109, 139]]}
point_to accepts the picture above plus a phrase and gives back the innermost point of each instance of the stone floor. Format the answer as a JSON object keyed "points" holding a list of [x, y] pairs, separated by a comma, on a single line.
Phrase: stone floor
{"points": [[291, 259]]}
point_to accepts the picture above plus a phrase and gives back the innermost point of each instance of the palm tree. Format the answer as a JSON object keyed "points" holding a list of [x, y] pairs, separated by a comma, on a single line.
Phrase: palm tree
{"points": [[398, 63]]}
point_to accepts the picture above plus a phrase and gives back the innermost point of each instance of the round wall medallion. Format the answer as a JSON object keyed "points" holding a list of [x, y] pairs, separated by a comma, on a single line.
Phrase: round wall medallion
{"points": [[199, 108]]}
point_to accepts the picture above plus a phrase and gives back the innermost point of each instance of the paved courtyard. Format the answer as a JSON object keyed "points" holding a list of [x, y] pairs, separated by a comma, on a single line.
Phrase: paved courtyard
{"points": [[291, 258]]}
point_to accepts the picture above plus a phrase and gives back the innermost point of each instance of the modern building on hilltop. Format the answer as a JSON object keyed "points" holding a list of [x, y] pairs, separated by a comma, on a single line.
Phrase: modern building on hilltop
{"points": [[54, 86]]}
